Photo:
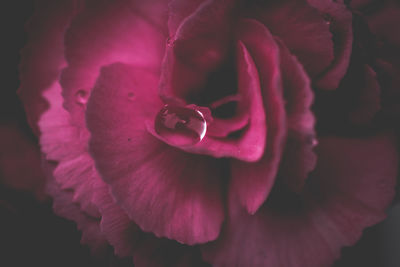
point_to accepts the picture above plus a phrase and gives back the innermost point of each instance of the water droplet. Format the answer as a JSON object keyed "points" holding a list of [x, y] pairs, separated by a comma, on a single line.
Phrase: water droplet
{"points": [[312, 140], [328, 18], [82, 97], [170, 42], [180, 125]]}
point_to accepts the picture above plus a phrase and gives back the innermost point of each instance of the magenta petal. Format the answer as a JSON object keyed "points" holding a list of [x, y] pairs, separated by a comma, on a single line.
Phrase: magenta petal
{"points": [[64, 207], [62, 142], [302, 29], [116, 226], [106, 32], [43, 57], [342, 198], [298, 158], [162, 189], [341, 24], [251, 182]]}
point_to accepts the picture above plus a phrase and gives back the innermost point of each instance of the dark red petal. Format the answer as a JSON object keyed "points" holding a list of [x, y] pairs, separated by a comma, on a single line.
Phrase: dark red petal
{"points": [[389, 77], [20, 161], [348, 191], [382, 22], [106, 32], [340, 20], [43, 57], [162, 189], [302, 29], [62, 142], [369, 101], [180, 10], [64, 207], [250, 145], [251, 182], [298, 158]]}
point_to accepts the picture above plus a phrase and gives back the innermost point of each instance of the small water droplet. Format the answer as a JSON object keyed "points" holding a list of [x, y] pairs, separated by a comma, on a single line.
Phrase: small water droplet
{"points": [[170, 42], [328, 18], [82, 97], [131, 95], [180, 125]]}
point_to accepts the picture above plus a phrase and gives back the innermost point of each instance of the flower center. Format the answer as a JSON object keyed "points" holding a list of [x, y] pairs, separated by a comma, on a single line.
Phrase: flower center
{"points": [[180, 125]]}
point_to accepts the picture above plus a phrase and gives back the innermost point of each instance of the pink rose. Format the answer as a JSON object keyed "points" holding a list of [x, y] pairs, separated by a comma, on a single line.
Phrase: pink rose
{"points": [[182, 132]]}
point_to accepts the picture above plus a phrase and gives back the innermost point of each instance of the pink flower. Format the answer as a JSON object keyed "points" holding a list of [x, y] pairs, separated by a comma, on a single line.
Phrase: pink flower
{"points": [[182, 132]]}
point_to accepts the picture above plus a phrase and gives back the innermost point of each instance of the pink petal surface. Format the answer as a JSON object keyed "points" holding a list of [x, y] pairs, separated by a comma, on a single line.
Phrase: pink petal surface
{"points": [[106, 32], [162, 189], [343, 197], [63, 206], [251, 182], [341, 24], [42, 59], [62, 142], [301, 27], [298, 158]]}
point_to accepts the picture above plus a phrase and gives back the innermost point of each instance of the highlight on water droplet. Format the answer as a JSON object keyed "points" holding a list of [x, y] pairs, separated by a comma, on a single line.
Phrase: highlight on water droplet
{"points": [[82, 97], [180, 126]]}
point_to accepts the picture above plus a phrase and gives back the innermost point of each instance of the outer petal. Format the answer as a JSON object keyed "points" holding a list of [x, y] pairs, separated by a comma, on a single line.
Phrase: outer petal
{"points": [[340, 21], [251, 182], [301, 27], [164, 190], [62, 142], [298, 158], [343, 197], [43, 58], [63, 206]]}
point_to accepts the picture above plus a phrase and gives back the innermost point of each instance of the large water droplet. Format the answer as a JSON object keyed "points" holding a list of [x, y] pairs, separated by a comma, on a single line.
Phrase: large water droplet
{"points": [[82, 97], [180, 125]]}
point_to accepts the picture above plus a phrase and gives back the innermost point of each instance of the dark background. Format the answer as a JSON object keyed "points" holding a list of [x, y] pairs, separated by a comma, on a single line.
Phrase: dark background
{"points": [[31, 235]]}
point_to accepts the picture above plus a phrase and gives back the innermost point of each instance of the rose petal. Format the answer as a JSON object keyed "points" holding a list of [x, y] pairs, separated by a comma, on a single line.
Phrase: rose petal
{"points": [[340, 21], [62, 142], [198, 47], [116, 226], [106, 32], [343, 197], [369, 102], [164, 190], [251, 182], [42, 58], [298, 158], [302, 29], [64, 207]]}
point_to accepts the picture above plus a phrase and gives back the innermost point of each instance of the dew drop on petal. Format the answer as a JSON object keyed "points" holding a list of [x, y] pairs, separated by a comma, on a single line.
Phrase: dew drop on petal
{"points": [[180, 125], [82, 97]]}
